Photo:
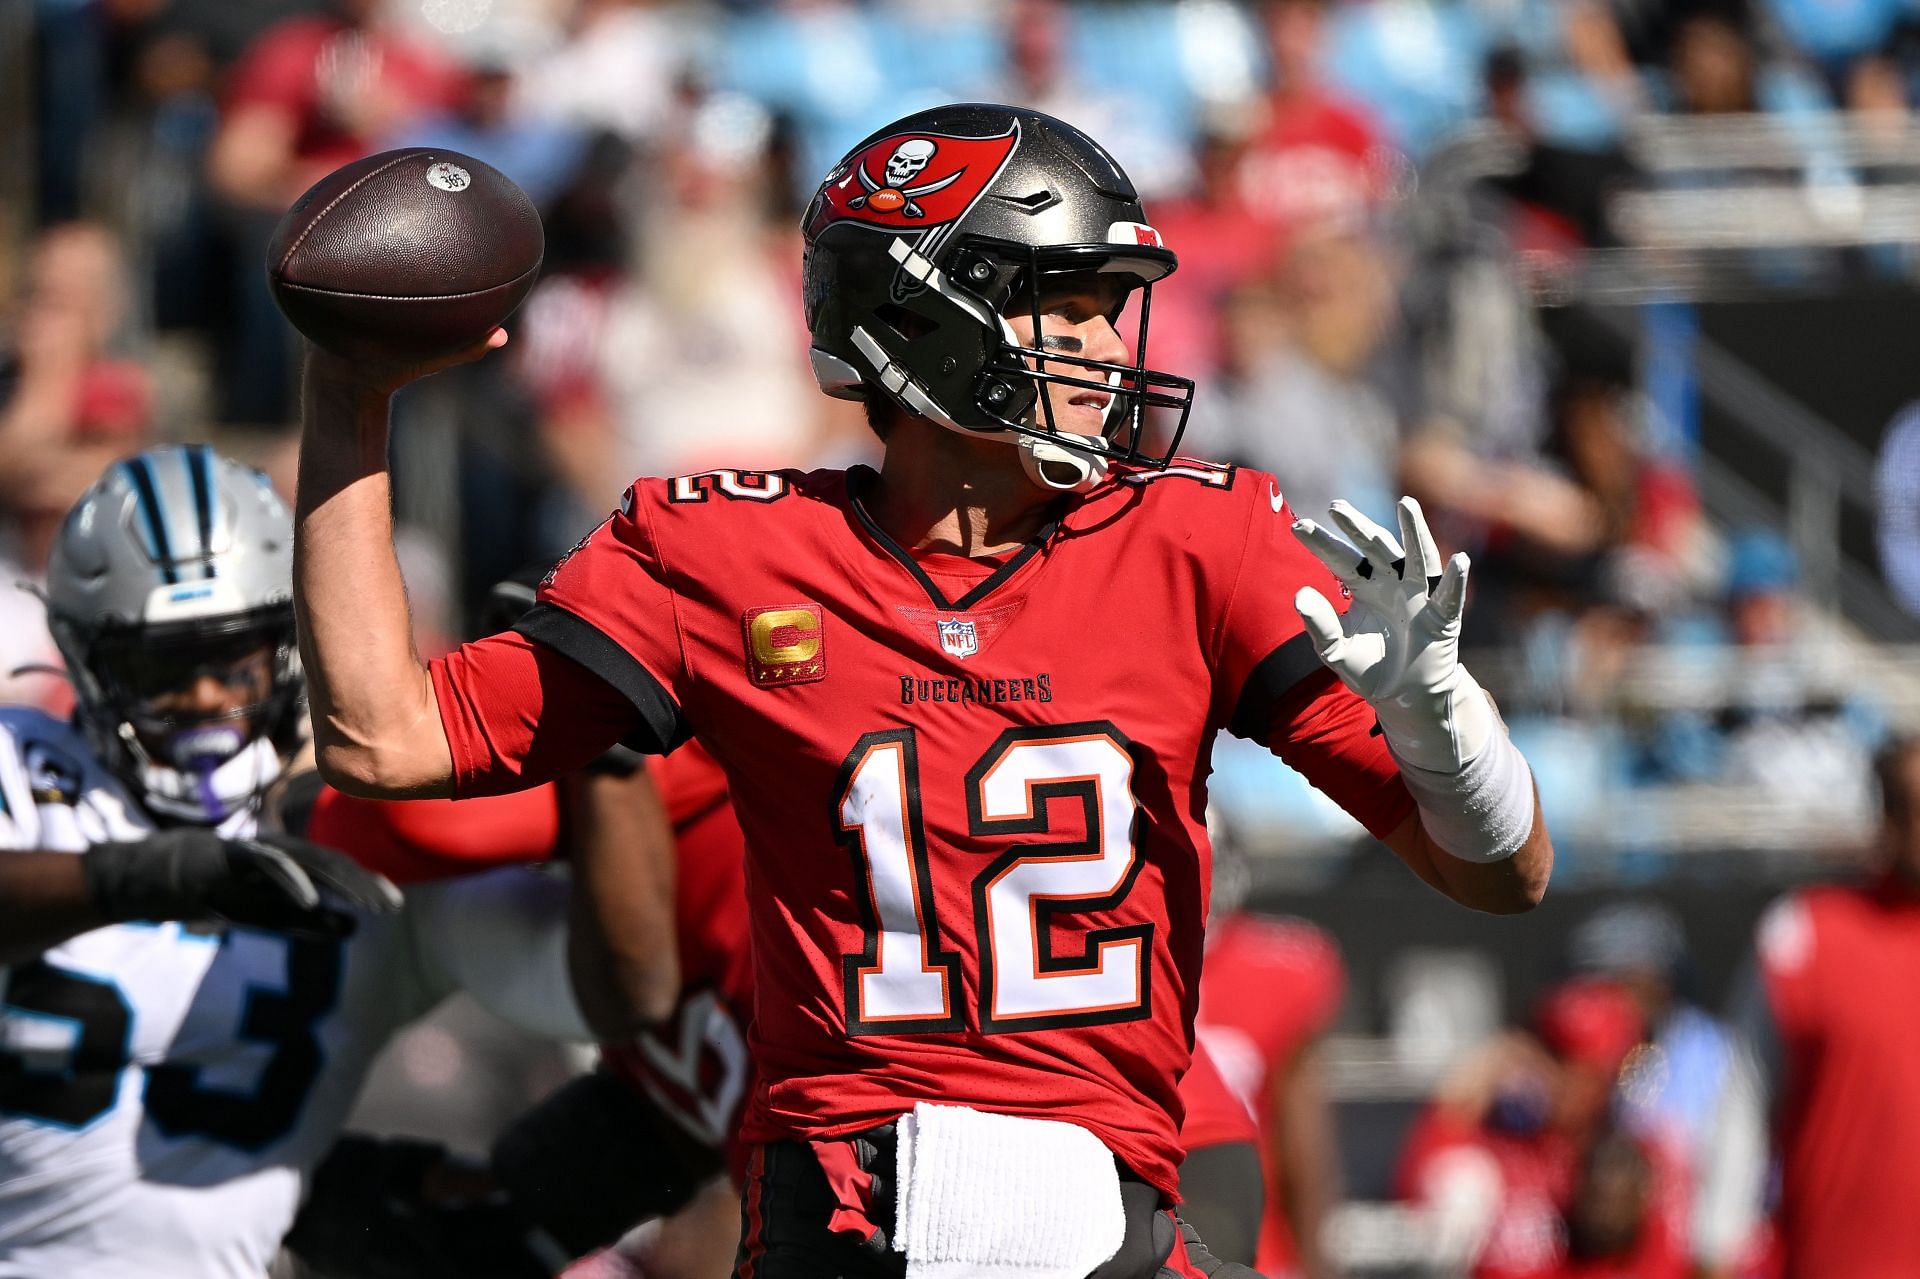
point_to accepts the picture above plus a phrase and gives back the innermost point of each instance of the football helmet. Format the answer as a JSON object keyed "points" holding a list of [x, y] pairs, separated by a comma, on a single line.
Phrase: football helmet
{"points": [[175, 565], [931, 231]]}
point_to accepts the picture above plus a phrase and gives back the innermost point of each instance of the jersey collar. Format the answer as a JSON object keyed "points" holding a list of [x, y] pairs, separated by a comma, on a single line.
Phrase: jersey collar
{"points": [[859, 478]]}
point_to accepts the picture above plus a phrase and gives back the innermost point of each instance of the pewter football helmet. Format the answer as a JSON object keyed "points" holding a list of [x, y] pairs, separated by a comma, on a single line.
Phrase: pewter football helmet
{"points": [[940, 224], [175, 564]]}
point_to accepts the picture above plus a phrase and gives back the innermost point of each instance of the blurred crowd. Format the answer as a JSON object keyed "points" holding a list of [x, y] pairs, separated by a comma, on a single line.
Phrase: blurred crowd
{"points": [[1358, 321]]}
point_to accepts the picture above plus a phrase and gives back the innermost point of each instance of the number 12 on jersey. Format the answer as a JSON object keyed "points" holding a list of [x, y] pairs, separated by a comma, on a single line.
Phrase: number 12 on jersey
{"points": [[904, 982]]}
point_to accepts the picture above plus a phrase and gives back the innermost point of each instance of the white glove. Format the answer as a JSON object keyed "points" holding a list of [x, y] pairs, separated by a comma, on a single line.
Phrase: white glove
{"points": [[1398, 645]]}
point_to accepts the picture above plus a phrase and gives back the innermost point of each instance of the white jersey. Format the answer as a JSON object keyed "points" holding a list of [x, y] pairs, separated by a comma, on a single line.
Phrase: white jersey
{"points": [[166, 1090]]}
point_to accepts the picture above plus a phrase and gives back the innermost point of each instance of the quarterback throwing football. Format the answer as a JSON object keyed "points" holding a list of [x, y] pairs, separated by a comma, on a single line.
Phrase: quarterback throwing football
{"points": [[965, 706]]}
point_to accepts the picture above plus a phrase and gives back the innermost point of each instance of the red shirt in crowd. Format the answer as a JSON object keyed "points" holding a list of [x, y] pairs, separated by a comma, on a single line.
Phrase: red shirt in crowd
{"points": [[1320, 159], [343, 87]]}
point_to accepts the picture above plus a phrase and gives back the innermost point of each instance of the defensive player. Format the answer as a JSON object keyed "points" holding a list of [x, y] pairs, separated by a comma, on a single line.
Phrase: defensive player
{"points": [[964, 705], [187, 1011]]}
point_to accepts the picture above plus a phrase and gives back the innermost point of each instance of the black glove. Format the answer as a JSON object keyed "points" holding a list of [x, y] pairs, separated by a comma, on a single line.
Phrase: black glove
{"points": [[274, 881], [371, 1214], [571, 1167]]}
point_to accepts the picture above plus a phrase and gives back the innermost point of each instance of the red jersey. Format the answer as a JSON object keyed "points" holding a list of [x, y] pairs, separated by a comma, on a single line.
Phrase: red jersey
{"points": [[977, 858], [1536, 1179], [1271, 987], [1215, 1114], [1533, 1178], [1840, 969], [415, 840], [695, 1064]]}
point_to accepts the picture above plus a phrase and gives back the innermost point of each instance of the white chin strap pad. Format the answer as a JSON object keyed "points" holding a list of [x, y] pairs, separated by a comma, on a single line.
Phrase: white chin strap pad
{"points": [[1054, 466]]}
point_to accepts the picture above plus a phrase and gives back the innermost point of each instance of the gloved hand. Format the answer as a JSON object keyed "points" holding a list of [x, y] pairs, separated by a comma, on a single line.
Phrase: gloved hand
{"points": [[273, 881], [1398, 645]]}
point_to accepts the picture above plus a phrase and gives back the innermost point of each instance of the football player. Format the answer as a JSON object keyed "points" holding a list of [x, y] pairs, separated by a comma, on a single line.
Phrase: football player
{"points": [[964, 705], [663, 847], [1271, 989], [188, 1004]]}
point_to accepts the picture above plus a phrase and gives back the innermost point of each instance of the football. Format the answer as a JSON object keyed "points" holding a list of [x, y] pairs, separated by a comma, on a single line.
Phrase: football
{"points": [[409, 254]]}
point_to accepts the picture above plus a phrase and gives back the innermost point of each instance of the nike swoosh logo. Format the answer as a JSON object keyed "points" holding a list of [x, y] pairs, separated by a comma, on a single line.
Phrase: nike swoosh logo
{"points": [[1276, 500]]}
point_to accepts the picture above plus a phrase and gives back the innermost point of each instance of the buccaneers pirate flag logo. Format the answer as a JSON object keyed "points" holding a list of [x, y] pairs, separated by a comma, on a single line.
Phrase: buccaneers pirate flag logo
{"points": [[913, 180]]}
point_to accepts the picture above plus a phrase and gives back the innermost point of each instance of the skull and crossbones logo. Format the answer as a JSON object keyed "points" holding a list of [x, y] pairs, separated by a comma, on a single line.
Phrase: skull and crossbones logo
{"points": [[906, 163]]}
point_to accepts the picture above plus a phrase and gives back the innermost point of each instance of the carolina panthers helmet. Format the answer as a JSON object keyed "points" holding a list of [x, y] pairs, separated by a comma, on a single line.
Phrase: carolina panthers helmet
{"points": [[177, 562], [932, 230]]}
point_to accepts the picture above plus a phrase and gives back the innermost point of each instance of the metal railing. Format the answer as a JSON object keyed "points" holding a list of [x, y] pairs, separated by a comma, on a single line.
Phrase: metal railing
{"points": [[1718, 189]]}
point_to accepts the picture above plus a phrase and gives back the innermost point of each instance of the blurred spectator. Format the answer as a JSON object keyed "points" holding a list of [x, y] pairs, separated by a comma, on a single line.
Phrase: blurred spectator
{"points": [[539, 155], [70, 404], [1320, 157], [1674, 1092], [1222, 248], [316, 92], [1829, 1040], [309, 95], [695, 358], [1601, 528], [1559, 192], [1042, 74], [1271, 989], [617, 71], [1783, 719], [1713, 67], [1294, 395], [1521, 1167]]}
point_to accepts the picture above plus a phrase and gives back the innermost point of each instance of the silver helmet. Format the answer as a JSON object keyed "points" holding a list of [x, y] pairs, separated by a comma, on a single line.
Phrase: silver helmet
{"points": [[178, 564]]}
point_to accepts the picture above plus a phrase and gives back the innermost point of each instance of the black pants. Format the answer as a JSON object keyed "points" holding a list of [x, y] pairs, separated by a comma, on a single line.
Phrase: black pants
{"points": [[787, 1205], [1222, 1194]]}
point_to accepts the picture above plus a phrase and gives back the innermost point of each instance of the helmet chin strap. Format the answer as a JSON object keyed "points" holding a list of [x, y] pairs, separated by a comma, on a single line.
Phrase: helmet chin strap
{"points": [[1054, 466], [1059, 468]]}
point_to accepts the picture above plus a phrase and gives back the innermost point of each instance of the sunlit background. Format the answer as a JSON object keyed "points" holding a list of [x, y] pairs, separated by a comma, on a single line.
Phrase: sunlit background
{"points": [[1623, 290]]}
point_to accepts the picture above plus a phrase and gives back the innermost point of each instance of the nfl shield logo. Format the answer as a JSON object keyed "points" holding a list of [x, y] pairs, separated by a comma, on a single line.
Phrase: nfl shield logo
{"points": [[959, 638]]}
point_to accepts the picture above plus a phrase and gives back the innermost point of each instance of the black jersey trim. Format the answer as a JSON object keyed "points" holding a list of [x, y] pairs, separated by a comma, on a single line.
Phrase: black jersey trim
{"points": [[579, 640], [858, 477], [1278, 673]]}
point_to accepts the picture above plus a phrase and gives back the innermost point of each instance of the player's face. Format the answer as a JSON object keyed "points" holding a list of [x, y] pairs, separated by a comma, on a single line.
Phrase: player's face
{"points": [[1077, 314], [185, 683]]}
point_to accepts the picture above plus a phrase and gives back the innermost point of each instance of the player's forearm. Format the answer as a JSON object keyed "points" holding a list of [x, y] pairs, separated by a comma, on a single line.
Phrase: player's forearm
{"points": [[622, 947], [376, 726], [43, 901], [1507, 886]]}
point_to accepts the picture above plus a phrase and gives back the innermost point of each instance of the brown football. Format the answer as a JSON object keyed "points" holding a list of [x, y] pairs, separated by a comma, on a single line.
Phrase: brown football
{"points": [[408, 254]]}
